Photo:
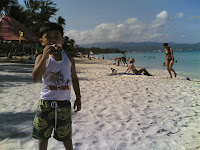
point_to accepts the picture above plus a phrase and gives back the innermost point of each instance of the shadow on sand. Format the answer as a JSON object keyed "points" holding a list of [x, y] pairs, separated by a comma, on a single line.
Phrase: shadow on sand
{"points": [[17, 68], [7, 81], [16, 125], [12, 74]]}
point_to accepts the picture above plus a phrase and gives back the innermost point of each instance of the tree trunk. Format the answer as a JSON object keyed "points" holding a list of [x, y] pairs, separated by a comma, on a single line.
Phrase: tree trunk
{"points": [[10, 54]]}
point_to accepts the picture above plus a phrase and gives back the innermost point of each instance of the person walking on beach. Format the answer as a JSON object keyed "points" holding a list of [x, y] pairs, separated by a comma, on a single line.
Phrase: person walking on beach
{"points": [[170, 59], [58, 73], [135, 71]]}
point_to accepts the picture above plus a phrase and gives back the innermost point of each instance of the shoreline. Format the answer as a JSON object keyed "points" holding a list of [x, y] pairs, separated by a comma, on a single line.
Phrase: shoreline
{"points": [[164, 71], [193, 76]]}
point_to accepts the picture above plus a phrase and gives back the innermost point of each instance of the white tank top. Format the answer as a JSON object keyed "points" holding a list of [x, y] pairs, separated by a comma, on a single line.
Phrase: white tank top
{"points": [[57, 79]]}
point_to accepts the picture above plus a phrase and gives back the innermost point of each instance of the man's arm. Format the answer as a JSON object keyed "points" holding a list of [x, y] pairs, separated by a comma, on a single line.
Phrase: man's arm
{"points": [[39, 68], [40, 64], [75, 84]]}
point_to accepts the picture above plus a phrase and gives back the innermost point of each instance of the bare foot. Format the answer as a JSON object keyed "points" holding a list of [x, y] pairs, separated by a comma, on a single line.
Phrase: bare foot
{"points": [[175, 74]]}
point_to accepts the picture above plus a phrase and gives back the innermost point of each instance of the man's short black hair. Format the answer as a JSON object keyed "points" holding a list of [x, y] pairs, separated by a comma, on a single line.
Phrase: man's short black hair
{"points": [[165, 44], [50, 27]]}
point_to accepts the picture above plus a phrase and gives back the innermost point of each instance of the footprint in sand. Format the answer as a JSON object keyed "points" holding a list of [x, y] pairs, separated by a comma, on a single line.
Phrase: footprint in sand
{"points": [[122, 146]]}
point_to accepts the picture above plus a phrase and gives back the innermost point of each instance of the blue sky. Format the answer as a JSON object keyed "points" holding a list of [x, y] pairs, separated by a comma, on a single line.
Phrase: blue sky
{"points": [[91, 21]]}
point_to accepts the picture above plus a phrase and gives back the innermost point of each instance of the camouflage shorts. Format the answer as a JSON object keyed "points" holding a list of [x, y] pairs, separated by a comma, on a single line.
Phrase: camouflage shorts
{"points": [[44, 121]]}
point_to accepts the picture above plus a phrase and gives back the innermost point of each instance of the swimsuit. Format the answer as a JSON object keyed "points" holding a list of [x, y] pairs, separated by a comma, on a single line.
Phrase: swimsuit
{"points": [[136, 71], [169, 60], [169, 53], [44, 120]]}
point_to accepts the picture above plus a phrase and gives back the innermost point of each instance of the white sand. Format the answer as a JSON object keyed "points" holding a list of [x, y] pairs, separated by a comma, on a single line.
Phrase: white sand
{"points": [[118, 112]]}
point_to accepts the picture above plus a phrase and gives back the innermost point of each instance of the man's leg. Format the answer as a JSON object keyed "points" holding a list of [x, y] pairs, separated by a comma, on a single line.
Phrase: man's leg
{"points": [[68, 144], [42, 124], [42, 144]]}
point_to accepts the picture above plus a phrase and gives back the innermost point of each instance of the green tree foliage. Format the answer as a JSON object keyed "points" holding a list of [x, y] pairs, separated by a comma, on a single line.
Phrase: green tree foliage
{"points": [[5, 5], [38, 12], [33, 15], [69, 45], [61, 21], [17, 12]]}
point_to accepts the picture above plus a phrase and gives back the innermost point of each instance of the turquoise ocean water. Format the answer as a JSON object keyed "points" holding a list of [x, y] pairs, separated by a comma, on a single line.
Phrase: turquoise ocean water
{"points": [[188, 62]]}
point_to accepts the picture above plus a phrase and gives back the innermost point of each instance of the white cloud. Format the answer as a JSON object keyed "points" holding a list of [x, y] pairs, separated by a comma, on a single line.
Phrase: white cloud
{"points": [[179, 15], [131, 21], [130, 30], [161, 19]]}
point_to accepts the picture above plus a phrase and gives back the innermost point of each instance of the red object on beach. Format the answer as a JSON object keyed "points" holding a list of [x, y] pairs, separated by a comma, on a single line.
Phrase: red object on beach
{"points": [[10, 29]]}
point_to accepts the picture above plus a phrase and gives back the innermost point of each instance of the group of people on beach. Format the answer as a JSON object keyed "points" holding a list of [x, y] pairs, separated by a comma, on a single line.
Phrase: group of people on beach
{"points": [[169, 63], [119, 59]]}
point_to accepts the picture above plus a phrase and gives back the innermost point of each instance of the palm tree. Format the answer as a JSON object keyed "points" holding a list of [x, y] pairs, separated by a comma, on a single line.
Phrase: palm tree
{"points": [[17, 12], [72, 43], [61, 21], [38, 13], [48, 9], [66, 45], [5, 4]]}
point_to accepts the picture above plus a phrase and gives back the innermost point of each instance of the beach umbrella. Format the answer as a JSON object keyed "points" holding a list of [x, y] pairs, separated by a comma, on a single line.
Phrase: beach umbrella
{"points": [[12, 30]]}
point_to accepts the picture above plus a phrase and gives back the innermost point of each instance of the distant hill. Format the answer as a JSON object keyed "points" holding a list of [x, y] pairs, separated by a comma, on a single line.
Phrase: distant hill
{"points": [[141, 46]]}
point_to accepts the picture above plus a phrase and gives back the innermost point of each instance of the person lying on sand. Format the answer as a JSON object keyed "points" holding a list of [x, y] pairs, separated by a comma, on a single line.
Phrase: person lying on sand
{"points": [[135, 71]]}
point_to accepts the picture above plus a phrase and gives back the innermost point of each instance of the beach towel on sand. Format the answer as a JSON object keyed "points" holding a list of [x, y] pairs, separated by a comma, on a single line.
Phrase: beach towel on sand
{"points": [[121, 74], [125, 74]]}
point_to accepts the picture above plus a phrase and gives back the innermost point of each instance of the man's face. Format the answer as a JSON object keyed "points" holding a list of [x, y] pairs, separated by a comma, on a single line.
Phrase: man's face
{"points": [[52, 37], [165, 47]]}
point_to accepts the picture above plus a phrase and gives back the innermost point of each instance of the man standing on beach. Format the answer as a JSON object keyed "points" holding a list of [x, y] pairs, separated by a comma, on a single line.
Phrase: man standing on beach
{"points": [[58, 73]]}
